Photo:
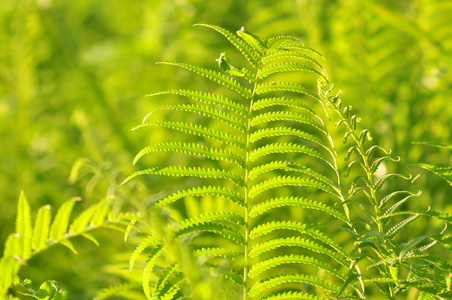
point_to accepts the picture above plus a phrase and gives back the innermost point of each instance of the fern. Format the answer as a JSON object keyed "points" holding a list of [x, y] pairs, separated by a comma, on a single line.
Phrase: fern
{"points": [[30, 240]]}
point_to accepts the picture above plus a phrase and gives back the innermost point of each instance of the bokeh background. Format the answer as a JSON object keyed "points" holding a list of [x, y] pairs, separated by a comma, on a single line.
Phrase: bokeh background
{"points": [[74, 75]]}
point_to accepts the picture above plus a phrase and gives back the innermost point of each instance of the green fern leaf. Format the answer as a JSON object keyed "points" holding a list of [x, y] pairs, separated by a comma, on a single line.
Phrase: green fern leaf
{"points": [[23, 226], [146, 279], [279, 86], [285, 67], [203, 191], [41, 228], [163, 281], [115, 290], [61, 220], [215, 76], [281, 101], [250, 54], [275, 261], [218, 252], [308, 244], [397, 228], [212, 216], [285, 116], [272, 282], [150, 240], [290, 54], [257, 43], [264, 207], [182, 171], [222, 230], [209, 112], [290, 181], [193, 149], [293, 296], [198, 130], [208, 98], [81, 221], [274, 148]]}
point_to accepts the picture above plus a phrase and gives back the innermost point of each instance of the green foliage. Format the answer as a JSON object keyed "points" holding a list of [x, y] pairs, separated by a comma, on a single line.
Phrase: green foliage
{"points": [[72, 74]]}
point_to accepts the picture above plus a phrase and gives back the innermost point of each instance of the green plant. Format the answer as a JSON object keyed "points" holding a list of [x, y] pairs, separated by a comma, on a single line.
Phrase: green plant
{"points": [[263, 214], [267, 252]]}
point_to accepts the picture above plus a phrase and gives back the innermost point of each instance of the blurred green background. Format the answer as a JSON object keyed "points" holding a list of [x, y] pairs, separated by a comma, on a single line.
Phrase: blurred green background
{"points": [[73, 76]]}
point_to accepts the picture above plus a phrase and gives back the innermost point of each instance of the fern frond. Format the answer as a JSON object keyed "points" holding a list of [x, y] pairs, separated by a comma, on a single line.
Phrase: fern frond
{"points": [[291, 54], [203, 191], [222, 230], [272, 282], [193, 149], [395, 229], [208, 98], [198, 130], [150, 240], [275, 261], [280, 86], [290, 181], [285, 116], [209, 112], [400, 202], [211, 216], [379, 184], [61, 220], [250, 54], [215, 76], [163, 281], [23, 226], [293, 296], [379, 161], [42, 228], [217, 252], [272, 203], [146, 279], [275, 148], [285, 67], [257, 43], [115, 290], [281, 101], [182, 171]]}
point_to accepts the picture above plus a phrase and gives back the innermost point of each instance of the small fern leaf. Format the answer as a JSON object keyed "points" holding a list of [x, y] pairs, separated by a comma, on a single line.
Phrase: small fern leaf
{"points": [[114, 291], [198, 130], [209, 112], [203, 191], [210, 217], [293, 296], [285, 67], [208, 98], [379, 184], [281, 101], [222, 230], [99, 216], [264, 207], [400, 202], [217, 252], [280, 181], [395, 229], [275, 148], [23, 226], [150, 240], [81, 221], [41, 228], [308, 244], [285, 116], [69, 245], [193, 149], [257, 43], [240, 44], [379, 161], [61, 220], [279, 86], [146, 279], [285, 131], [290, 54], [275, 261], [215, 76], [272, 282], [182, 171], [163, 281]]}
